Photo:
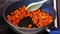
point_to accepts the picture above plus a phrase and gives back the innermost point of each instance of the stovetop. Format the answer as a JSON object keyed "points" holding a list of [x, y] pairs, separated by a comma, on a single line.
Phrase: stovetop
{"points": [[4, 28]]}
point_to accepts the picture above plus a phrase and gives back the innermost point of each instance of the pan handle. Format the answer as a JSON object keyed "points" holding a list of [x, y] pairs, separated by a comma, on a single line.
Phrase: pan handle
{"points": [[48, 29]]}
